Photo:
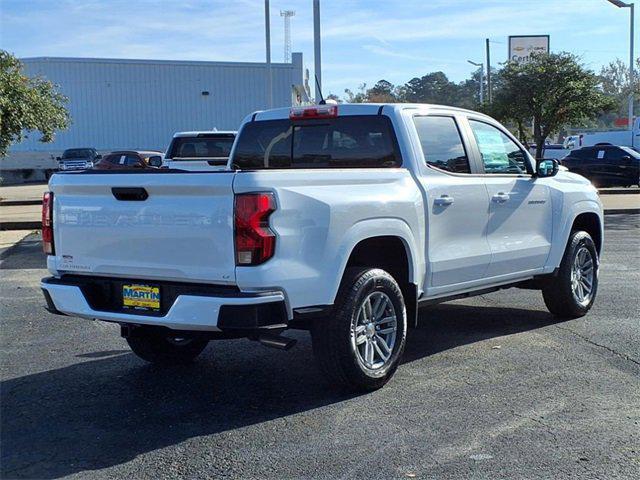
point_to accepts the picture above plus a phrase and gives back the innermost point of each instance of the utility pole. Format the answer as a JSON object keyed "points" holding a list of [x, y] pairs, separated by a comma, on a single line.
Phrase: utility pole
{"points": [[631, 7], [488, 72], [267, 32], [317, 61], [287, 14], [631, 76]]}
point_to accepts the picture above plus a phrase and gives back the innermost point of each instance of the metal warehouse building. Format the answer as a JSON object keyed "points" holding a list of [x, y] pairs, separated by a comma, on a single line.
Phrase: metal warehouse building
{"points": [[116, 104]]}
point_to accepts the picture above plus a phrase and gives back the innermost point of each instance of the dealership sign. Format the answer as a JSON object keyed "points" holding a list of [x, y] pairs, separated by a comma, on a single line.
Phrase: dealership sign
{"points": [[522, 46]]}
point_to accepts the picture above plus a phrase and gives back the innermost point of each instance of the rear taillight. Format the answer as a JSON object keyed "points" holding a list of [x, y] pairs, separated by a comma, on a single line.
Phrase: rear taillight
{"points": [[47, 223], [255, 242]]}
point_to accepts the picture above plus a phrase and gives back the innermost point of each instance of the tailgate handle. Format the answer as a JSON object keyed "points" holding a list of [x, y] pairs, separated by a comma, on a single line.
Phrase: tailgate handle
{"points": [[130, 194]]}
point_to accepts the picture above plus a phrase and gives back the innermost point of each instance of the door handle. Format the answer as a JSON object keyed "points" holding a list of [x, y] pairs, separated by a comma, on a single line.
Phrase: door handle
{"points": [[130, 194], [500, 197], [443, 201]]}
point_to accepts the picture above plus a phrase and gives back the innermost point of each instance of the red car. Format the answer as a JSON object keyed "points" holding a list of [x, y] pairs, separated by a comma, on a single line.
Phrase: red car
{"points": [[127, 159]]}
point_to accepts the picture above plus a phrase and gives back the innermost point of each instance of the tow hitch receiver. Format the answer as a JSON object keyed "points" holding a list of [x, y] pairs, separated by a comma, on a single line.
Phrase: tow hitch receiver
{"points": [[276, 341]]}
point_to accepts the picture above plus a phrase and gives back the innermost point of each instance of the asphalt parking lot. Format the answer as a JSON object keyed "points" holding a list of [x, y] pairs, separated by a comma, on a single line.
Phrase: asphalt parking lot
{"points": [[491, 387]]}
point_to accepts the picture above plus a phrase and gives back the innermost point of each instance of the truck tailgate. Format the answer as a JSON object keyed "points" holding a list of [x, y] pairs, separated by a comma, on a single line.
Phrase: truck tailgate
{"points": [[182, 230]]}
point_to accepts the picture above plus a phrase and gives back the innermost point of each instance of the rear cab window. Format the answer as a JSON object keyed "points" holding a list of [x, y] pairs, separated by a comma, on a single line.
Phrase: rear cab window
{"points": [[201, 146], [351, 141]]}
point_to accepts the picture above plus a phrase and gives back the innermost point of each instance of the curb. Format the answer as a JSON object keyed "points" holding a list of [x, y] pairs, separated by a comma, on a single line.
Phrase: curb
{"points": [[19, 203], [620, 191], [20, 225], [619, 211]]}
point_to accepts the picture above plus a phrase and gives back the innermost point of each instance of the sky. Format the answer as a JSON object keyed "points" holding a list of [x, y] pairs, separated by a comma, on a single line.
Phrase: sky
{"points": [[362, 41]]}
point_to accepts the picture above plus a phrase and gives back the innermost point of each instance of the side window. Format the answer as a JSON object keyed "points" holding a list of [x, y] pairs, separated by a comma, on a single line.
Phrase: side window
{"points": [[581, 154], [132, 161], [587, 155], [499, 153], [441, 143], [614, 155], [110, 159]]}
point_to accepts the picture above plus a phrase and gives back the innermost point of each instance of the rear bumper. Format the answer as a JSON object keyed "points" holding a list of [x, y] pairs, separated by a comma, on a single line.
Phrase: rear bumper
{"points": [[232, 312]]}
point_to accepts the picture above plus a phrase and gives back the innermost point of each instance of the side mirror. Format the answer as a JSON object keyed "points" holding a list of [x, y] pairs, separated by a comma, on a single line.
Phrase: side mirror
{"points": [[155, 161], [98, 157], [626, 158], [58, 158], [547, 168]]}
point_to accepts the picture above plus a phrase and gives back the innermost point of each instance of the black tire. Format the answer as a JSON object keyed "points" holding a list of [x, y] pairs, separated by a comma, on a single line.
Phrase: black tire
{"points": [[558, 293], [158, 346], [333, 338]]}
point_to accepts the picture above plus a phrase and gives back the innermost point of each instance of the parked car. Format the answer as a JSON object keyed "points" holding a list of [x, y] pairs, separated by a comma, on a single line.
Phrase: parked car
{"points": [[337, 219], [127, 159], [199, 151], [606, 165], [78, 159]]}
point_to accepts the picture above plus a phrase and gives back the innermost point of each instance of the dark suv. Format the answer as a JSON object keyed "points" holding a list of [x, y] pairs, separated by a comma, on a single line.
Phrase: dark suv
{"points": [[606, 165], [78, 159]]}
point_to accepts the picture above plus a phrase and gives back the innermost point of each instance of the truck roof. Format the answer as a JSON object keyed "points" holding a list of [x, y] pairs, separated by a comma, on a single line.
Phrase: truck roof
{"points": [[205, 132], [362, 109]]}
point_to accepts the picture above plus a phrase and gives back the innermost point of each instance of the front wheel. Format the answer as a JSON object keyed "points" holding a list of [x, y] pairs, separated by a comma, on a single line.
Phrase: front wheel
{"points": [[572, 292], [157, 346], [360, 346]]}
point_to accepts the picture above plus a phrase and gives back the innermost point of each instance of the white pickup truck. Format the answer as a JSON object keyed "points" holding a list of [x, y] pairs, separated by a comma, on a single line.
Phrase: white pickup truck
{"points": [[199, 151], [342, 220]]}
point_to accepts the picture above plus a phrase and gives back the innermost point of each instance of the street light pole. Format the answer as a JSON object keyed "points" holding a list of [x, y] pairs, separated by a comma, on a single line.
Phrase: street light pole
{"points": [[481, 65], [317, 60], [267, 34], [631, 7], [488, 71], [631, 77]]}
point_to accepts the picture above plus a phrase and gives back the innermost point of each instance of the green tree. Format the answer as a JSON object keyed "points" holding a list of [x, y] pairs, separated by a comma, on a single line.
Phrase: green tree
{"points": [[359, 97], [615, 82], [552, 90], [434, 87], [382, 92], [27, 104]]}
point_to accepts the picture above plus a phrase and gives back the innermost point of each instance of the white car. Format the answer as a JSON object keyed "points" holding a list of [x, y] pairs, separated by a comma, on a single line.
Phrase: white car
{"points": [[199, 151], [341, 220]]}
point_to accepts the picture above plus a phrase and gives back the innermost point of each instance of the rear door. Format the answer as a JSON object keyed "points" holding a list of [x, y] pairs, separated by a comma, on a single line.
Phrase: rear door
{"points": [[158, 225], [457, 212], [520, 211]]}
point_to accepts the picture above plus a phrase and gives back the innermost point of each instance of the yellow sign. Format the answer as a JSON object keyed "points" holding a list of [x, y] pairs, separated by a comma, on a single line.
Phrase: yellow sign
{"points": [[141, 296]]}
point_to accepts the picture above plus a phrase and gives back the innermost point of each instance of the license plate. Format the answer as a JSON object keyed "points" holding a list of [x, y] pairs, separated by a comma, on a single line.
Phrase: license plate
{"points": [[141, 297]]}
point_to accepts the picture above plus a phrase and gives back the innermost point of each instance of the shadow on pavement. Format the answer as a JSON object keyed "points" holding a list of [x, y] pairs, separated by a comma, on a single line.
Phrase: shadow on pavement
{"points": [[624, 221], [25, 254], [99, 413]]}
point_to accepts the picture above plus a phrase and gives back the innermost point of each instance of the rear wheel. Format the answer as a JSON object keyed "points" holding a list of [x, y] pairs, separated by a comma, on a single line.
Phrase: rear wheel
{"points": [[158, 346], [572, 292], [360, 346]]}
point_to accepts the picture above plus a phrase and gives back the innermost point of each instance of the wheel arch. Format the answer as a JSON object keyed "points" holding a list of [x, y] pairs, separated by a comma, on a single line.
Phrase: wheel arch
{"points": [[390, 246], [590, 223], [585, 215]]}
